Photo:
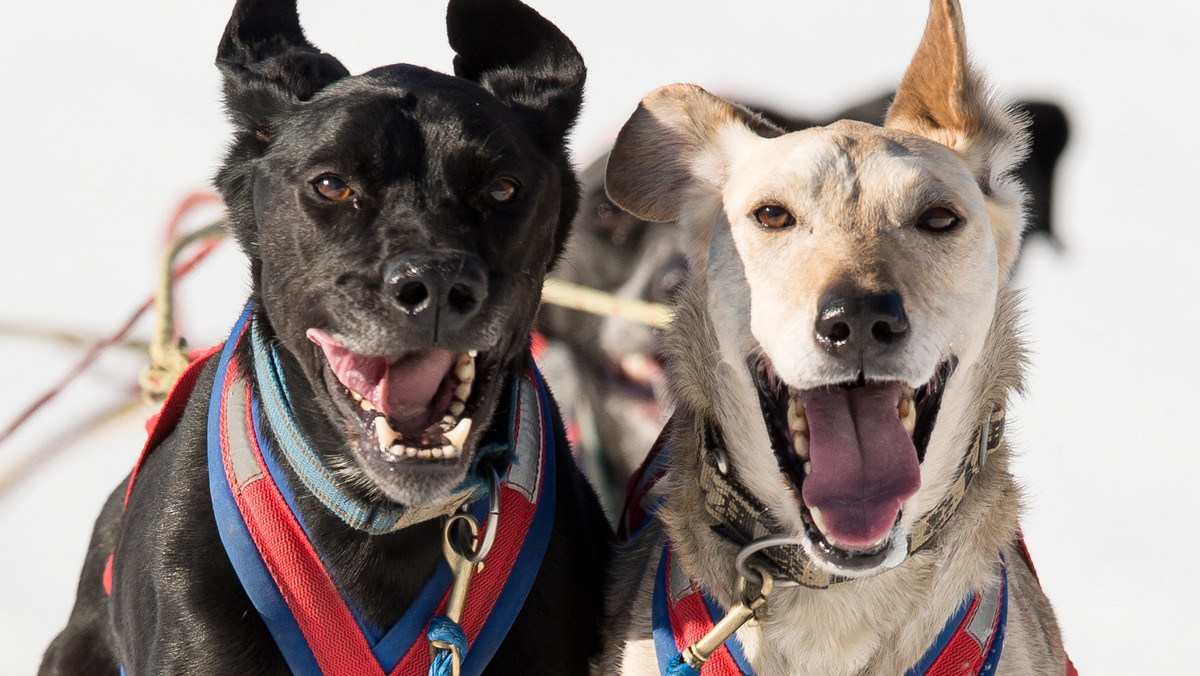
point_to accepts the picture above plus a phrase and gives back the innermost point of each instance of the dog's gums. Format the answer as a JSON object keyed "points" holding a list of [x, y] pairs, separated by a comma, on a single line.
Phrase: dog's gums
{"points": [[852, 453], [415, 405]]}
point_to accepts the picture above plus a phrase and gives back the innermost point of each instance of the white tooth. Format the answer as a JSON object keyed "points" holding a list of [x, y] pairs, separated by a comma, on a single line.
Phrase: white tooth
{"points": [[456, 409], [436, 452], [473, 353], [449, 420], [410, 451], [424, 454], [800, 444], [466, 368], [817, 520], [356, 395], [807, 467], [449, 451], [463, 391], [797, 418], [458, 436], [384, 432], [366, 405]]}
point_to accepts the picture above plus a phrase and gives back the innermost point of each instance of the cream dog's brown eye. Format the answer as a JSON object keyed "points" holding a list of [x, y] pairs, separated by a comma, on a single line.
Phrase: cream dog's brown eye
{"points": [[502, 190], [774, 216], [937, 219], [332, 188]]}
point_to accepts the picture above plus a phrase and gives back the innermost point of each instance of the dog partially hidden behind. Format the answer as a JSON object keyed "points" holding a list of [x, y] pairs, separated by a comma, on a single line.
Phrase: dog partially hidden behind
{"points": [[841, 357], [398, 226]]}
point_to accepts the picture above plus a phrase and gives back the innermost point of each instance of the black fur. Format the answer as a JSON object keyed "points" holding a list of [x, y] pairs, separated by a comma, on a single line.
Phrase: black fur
{"points": [[420, 150]]}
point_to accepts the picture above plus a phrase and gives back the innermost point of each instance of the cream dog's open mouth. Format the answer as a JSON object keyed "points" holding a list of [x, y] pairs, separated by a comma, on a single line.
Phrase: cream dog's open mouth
{"points": [[416, 405], [852, 453]]}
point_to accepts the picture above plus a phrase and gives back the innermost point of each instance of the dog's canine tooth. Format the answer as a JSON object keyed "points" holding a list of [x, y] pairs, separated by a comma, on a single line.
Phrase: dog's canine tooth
{"points": [[818, 520], [456, 409], [797, 419], [387, 436], [473, 353], [800, 445], [465, 370], [458, 436], [906, 411]]}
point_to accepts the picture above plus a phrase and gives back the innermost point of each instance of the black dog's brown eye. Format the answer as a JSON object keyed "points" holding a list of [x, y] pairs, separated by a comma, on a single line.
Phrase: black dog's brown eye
{"points": [[502, 190], [774, 216], [332, 188], [937, 219]]}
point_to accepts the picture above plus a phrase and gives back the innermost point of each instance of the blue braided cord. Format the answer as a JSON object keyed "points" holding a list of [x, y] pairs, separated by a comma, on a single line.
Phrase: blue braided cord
{"points": [[677, 667], [442, 628]]}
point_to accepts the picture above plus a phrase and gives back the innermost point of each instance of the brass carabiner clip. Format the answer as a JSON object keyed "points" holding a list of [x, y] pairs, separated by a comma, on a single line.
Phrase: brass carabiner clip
{"points": [[700, 651]]}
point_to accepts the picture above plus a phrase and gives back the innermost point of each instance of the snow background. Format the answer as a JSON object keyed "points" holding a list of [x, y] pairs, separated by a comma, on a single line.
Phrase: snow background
{"points": [[110, 115]]}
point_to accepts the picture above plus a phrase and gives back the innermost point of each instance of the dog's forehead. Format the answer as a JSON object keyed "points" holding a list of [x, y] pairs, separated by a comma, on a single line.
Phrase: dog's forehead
{"points": [[407, 107], [849, 164]]}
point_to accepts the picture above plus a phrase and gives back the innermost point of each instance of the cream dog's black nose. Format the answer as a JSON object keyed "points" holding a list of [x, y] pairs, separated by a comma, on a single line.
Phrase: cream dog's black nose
{"points": [[447, 286], [851, 323]]}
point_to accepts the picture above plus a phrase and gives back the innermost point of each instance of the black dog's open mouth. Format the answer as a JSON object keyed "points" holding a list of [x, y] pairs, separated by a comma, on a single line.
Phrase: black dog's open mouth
{"points": [[416, 405], [853, 454]]}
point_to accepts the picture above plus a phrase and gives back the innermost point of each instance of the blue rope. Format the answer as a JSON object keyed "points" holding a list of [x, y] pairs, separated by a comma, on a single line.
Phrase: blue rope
{"points": [[677, 667], [442, 628]]}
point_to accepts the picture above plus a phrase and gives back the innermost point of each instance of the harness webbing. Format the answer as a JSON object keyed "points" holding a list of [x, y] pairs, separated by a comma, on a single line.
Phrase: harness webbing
{"points": [[970, 644], [283, 573]]}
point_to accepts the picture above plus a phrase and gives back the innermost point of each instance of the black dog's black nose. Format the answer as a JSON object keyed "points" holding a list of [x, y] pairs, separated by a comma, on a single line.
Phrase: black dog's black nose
{"points": [[855, 323], [448, 286]]}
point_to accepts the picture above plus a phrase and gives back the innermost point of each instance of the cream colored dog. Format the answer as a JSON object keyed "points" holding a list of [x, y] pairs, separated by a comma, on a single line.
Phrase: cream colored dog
{"points": [[841, 359]]}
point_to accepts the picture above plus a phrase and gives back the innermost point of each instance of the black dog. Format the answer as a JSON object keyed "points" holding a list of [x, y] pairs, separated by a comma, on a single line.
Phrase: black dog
{"points": [[398, 225]]}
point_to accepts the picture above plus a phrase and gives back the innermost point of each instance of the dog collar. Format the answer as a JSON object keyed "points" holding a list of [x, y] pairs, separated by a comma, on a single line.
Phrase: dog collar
{"points": [[373, 517], [315, 628], [969, 644], [744, 519]]}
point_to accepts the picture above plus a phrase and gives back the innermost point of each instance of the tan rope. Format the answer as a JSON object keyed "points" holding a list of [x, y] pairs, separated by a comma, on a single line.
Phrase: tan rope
{"points": [[586, 299], [168, 354]]}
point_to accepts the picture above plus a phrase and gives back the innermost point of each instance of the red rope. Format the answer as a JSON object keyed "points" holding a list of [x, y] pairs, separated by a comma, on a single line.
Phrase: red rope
{"points": [[188, 204]]}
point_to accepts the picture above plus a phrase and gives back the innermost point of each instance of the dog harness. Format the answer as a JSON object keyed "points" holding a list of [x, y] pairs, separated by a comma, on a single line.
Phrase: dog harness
{"points": [[969, 645], [316, 629]]}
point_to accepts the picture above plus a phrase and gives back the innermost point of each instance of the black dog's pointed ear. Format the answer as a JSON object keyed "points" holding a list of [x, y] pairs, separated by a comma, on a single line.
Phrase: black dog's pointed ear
{"points": [[521, 58], [268, 63]]}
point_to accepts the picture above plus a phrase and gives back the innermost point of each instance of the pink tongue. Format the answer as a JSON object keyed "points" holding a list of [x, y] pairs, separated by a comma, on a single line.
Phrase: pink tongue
{"points": [[864, 465], [405, 389]]}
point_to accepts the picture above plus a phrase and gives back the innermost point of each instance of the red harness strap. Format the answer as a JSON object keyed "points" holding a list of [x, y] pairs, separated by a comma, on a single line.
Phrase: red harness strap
{"points": [[161, 424]]}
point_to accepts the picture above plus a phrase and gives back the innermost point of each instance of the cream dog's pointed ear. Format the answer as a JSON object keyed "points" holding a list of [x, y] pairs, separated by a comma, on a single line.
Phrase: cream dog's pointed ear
{"points": [[675, 142], [942, 98]]}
